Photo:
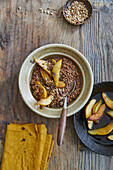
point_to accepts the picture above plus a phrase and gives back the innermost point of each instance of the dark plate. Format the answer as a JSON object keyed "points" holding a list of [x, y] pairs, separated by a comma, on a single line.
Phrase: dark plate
{"points": [[98, 144]]}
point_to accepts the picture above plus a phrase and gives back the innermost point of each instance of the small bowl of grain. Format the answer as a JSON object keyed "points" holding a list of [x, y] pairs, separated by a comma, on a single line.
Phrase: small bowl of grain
{"points": [[48, 74], [77, 12]]}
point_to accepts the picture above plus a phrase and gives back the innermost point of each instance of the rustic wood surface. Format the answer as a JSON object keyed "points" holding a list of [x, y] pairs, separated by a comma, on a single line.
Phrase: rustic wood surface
{"points": [[22, 31]]}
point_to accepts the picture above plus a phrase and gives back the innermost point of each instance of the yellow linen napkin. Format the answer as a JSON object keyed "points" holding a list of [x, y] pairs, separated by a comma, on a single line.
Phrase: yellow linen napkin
{"points": [[25, 146]]}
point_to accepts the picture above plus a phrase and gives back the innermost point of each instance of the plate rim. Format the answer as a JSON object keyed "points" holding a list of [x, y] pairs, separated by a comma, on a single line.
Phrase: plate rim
{"points": [[88, 136]]}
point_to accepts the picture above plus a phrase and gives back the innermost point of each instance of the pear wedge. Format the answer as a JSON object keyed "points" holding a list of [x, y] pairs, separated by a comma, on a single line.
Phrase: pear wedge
{"points": [[44, 95], [102, 131], [99, 114], [44, 64], [45, 102], [110, 137], [88, 112], [56, 71], [107, 100], [110, 113], [96, 106], [46, 77]]}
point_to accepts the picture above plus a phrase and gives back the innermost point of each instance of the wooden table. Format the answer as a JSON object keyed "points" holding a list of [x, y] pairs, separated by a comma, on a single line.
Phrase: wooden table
{"points": [[23, 29]]}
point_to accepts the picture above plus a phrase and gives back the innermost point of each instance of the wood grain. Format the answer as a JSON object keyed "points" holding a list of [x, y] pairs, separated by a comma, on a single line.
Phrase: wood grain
{"points": [[22, 31]]}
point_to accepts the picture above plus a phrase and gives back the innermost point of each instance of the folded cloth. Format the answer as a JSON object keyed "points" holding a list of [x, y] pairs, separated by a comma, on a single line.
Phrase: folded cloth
{"points": [[26, 147], [46, 151]]}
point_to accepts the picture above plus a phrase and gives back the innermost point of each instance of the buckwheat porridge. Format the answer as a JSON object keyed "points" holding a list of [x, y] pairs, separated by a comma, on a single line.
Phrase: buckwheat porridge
{"points": [[64, 79]]}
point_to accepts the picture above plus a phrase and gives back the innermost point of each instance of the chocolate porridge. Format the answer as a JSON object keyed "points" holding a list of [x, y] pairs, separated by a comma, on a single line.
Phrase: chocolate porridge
{"points": [[69, 72]]}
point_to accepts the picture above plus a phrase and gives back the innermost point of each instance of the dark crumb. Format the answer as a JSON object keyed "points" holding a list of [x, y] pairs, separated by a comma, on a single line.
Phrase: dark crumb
{"points": [[24, 151], [54, 74], [32, 61], [23, 139]]}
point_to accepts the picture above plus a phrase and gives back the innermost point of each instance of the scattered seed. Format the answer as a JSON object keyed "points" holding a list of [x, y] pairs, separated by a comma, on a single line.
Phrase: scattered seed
{"points": [[40, 9], [30, 134], [47, 12], [19, 7], [59, 16], [48, 8], [44, 11], [23, 128]]}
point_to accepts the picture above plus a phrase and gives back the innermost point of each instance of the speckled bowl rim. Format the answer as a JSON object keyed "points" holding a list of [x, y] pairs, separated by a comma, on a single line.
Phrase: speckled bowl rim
{"points": [[26, 71]]}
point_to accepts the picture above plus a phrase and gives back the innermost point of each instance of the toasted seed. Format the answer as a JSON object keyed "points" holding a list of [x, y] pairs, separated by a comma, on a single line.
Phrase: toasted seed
{"points": [[51, 13], [59, 16], [40, 9], [19, 7], [47, 12], [44, 10]]}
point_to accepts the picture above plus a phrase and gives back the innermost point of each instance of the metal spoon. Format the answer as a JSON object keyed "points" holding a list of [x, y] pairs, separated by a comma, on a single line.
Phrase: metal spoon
{"points": [[63, 118], [87, 5]]}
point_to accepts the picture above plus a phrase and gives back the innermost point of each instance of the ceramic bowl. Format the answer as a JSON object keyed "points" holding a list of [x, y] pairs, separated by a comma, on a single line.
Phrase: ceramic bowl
{"points": [[46, 51], [87, 5]]}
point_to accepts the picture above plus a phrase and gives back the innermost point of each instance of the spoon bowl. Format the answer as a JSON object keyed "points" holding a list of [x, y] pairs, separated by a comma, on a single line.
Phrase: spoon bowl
{"points": [[88, 7]]}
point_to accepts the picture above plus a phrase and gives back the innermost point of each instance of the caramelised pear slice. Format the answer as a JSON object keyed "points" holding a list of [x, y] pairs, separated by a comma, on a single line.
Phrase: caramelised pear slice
{"points": [[96, 106], [45, 102], [98, 114], [48, 80], [107, 100], [44, 64], [88, 112], [44, 95], [110, 113], [46, 77], [110, 137], [56, 71], [102, 131]]}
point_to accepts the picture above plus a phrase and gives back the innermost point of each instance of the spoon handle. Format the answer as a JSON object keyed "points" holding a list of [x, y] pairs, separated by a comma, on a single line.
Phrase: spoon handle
{"points": [[62, 126]]}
